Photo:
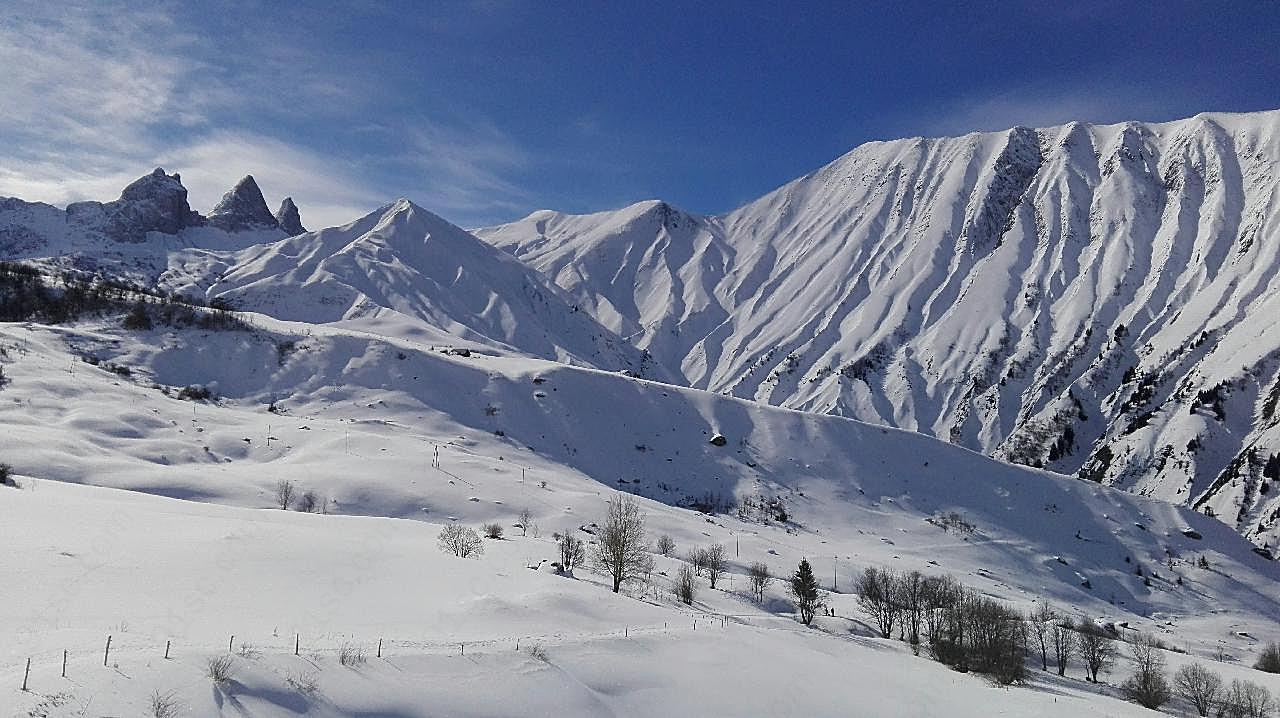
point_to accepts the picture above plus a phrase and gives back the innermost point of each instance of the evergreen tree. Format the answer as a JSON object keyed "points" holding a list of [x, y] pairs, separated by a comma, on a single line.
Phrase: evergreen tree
{"points": [[804, 588]]}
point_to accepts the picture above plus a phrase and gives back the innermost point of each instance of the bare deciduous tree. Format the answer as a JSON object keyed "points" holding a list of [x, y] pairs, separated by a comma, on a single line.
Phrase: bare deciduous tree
{"points": [[910, 594], [1148, 686], [666, 545], [876, 588], [284, 493], [714, 563], [1244, 699], [461, 541], [1063, 638], [573, 551], [1041, 620], [309, 502], [1097, 648], [685, 586], [1199, 686], [759, 577], [621, 549], [527, 524]]}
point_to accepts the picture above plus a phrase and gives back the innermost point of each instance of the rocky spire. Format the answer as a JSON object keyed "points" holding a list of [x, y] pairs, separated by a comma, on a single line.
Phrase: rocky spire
{"points": [[288, 217], [242, 208]]}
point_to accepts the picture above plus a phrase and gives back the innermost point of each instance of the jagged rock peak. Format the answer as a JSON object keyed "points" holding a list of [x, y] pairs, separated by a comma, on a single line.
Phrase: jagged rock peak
{"points": [[243, 207], [156, 202], [288, 217]]}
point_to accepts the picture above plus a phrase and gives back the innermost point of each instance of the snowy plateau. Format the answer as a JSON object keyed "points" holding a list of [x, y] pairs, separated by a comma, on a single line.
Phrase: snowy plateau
{"points": [[1041, 362]]}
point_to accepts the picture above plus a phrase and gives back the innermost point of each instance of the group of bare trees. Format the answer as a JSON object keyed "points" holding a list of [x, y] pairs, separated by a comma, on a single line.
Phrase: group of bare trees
{"points": [[710, 561], [1206, 692], [287, 496]]}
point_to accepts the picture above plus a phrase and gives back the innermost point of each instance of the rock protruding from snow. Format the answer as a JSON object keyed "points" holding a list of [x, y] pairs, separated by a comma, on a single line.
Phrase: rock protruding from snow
{"points": [[289, 219], [156, 202], [243, 208]]}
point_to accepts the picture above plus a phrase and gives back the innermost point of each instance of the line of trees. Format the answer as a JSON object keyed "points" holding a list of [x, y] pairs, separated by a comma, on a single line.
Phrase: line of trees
{"points": [[29, 293]]}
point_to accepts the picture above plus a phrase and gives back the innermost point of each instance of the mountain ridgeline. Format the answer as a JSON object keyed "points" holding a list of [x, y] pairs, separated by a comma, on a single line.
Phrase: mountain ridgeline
{"points": [[1096, 300]]}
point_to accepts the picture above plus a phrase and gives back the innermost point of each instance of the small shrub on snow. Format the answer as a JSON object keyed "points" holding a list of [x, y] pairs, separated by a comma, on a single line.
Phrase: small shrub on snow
{"points": [[539, 653], [305, 682], [164, 705], [351, 654], [1269, 661], [685, 586], [6, 475], [221, 669], [247, 650], [493, 530]]}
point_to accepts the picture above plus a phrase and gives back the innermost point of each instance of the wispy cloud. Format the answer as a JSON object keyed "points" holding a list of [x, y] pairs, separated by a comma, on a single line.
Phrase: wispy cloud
{"points": [[466, 173], [1042, 107], [95, 96]]}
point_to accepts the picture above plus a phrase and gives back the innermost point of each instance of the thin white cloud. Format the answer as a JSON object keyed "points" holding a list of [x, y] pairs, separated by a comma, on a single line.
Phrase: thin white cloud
{"points": [[465, 173], [1042, 107], [95, 96]]}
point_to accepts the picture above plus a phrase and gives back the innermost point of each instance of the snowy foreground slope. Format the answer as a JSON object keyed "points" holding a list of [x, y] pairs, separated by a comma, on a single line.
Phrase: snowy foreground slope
{"points": [[358, 419], [1092, 299]]}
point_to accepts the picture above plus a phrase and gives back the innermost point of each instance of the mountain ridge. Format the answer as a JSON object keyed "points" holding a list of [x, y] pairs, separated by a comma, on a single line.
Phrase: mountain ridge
{"points": [[1010, 291]]}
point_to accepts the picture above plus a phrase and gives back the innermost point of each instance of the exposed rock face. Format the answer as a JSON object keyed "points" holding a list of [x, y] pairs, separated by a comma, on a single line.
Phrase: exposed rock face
{"points": [[153, 203], [243, 208], [288, 218]]}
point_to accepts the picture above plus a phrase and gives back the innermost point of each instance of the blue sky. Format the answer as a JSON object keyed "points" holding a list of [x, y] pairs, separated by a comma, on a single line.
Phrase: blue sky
{"points": [[484, 111]]}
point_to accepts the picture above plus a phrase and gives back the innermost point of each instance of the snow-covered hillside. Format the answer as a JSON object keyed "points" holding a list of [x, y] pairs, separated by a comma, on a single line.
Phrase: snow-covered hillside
{"points": [[1092, 299], [359, 419]]}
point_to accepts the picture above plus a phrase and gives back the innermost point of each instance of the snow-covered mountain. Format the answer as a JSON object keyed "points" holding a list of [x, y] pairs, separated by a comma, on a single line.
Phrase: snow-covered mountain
{"points": [[400, 270], [1097, 300], [403, 271]]}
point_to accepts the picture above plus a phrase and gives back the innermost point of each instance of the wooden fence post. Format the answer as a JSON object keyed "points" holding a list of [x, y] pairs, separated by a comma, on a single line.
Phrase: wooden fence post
{"points": [[297, 640], [379, 648], [231, 642], [166, 649], [106, 652], [64, 663], [26, 675]]}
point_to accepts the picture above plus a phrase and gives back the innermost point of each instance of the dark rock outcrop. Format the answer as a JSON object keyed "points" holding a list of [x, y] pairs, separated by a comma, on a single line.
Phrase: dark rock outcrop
{"points": [[288, 217], [153, 203], [243, 208]]}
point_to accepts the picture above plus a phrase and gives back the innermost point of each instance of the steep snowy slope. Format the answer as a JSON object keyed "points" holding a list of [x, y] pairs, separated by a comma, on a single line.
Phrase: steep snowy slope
{"points": [[400, 269], [1094, 299]]}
